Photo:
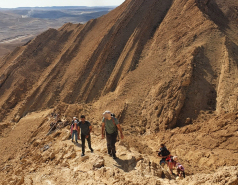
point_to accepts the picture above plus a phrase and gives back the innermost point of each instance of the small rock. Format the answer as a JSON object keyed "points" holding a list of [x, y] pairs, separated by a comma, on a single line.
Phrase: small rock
{"points": [[65, 165], [99, 163], [46, 147], [21, 181], [71, 156], [188, 121], [57, 134], [138, 158], [31, 181], [17, 118], [103, 150], [84, 158], [36, 143], [52, 156]]}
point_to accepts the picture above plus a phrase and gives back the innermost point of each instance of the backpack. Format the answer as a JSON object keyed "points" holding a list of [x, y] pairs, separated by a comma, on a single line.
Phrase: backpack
{"points": [[115, 125]]}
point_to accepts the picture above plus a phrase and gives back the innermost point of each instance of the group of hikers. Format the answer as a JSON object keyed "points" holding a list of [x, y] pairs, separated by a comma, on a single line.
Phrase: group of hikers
{"points": [[110, 127], [171, 161]]}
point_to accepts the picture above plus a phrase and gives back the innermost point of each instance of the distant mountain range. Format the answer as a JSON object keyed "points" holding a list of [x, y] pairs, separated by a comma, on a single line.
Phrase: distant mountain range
{"points": [[57, 12], [19, 25], [60, 7]]}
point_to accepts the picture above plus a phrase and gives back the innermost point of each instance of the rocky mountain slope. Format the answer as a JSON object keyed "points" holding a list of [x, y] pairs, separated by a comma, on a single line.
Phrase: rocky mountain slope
{"points": [[207, 152], [167, 69]]}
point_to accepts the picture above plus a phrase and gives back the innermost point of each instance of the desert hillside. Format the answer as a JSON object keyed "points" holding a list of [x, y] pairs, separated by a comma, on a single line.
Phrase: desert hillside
{"points": [[167, 69]]}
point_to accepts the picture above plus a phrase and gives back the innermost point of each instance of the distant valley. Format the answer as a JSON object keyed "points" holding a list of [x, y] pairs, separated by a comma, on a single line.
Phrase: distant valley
{"points": [[19, 25]]}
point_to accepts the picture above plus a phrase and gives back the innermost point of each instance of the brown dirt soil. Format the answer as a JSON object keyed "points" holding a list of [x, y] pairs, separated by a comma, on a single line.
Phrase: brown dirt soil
{"points": [[167, 69]]}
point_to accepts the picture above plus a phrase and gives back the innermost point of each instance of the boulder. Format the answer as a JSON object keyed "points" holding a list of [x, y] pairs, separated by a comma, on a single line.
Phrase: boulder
{"points": [[99, 163]]}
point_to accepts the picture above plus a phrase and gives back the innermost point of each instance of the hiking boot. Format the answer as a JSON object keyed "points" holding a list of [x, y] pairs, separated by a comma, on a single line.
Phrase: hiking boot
{"points": [[114, 156], [91, 150], [82, 154]]}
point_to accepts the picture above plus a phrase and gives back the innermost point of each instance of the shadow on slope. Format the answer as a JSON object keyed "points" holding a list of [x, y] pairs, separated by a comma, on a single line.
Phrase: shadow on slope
{"points": [[211, 8]]}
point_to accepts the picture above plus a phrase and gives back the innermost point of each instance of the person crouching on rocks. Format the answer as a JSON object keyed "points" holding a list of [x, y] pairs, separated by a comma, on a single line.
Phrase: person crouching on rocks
{"points": [[179, 168], [110, 125], [75, 130], [86, 128], [173, 163]]}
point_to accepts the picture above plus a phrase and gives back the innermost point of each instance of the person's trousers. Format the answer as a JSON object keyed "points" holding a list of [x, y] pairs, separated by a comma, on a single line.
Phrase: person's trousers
{"points": [[111, 141], [163, 161], [75, 133], [83, 142]]}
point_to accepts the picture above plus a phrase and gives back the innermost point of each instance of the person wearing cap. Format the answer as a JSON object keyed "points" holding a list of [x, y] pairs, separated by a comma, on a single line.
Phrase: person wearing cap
{"points": [[85, 128], [110, 125], [75, 129]]}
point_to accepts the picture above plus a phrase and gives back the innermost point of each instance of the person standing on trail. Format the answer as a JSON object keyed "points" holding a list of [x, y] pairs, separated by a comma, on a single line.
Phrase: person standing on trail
{"points": [[75, 130], [86, 128], [164, 154], [110, 124]]}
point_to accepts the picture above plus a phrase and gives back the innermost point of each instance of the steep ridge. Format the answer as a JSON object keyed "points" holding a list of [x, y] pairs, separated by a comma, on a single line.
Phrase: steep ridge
{"points": [[156, 64], [80, 63], [101, 47], [113, 45]]}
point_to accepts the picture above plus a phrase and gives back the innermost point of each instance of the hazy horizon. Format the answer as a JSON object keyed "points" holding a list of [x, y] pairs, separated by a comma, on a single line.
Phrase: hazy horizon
{"points": [[46, 3], [56, 6]]}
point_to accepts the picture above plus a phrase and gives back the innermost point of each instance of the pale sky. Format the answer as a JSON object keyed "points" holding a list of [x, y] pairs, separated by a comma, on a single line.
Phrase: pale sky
{"points": [[42, 3]]}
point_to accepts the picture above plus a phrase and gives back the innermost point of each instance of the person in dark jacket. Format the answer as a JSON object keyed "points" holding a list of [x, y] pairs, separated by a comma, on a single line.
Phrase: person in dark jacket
{"points": [[164, 154], [85, 128]]}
